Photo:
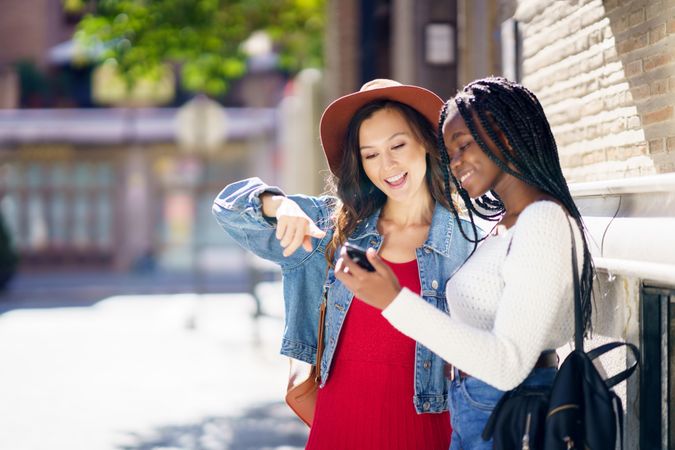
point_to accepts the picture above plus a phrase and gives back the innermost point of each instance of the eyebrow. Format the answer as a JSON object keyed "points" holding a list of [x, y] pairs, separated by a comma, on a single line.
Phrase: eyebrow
{"points": [[456, 134], [404, 133]]}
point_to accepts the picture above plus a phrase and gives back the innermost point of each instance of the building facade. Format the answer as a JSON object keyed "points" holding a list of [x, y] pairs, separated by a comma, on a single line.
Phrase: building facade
{"points": [[409, 41], [605, 74], [112, 189]]}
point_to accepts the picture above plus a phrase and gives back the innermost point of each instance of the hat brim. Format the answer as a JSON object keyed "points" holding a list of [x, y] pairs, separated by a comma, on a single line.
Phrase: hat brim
{"points": [[335, 119]]}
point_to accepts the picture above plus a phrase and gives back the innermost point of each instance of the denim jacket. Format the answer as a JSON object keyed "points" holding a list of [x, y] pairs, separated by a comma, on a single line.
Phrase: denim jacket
{"points": [[305, 274]]}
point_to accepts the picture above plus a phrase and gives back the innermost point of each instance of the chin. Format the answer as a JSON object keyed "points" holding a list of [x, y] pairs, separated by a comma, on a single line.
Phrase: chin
{"points": [[399, 196], [475, 192], [479, 194]]}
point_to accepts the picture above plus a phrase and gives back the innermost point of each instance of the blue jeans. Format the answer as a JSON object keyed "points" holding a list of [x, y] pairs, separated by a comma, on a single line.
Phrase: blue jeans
{"points": [[472, 402]]}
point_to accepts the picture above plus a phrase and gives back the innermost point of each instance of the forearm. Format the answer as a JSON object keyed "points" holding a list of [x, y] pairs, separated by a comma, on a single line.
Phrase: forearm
{"points": [[241, 201], [244, 209], [270, 203], [497, 335], [501, 359]]}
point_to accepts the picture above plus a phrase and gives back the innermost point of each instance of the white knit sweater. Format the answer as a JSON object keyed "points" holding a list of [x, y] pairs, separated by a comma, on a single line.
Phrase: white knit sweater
{"points": [[505, 309]]}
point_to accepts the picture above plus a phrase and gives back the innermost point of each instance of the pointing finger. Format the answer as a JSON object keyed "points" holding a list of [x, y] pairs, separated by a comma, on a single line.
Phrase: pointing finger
{"points": [[315, 231]]}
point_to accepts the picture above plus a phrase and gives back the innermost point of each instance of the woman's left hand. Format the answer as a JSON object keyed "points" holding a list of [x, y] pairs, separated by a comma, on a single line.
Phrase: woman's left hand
{"points": [[377, 288]]}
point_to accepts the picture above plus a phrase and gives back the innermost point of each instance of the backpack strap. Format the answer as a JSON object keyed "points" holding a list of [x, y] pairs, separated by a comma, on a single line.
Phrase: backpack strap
{"points": [[621, 376], [618, 410], [578, 315], [579, 332]]}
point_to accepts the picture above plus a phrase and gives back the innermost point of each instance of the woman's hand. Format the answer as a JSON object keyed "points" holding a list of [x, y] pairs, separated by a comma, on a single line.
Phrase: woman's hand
{"points": [[294, 227], [377, 288]]}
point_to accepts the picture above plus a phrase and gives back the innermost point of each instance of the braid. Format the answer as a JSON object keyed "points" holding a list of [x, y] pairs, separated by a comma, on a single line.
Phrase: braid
{"points": [[447, 176], [531, 154], [468, 119], [493, 203]]}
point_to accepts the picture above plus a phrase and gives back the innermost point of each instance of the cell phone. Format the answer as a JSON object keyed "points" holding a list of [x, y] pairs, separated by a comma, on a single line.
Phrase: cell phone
{"points": [[358, 255]]}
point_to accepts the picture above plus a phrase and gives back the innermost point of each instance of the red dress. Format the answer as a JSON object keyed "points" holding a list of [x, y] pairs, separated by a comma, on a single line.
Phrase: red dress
{"points": [[367, 402]]}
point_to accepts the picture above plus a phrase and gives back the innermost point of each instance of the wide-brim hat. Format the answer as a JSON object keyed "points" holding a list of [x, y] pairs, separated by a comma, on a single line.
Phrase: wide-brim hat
{"points": [[337, 115]]}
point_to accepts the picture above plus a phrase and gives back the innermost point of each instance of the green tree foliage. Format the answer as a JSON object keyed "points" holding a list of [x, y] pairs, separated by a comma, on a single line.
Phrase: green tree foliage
{"points": [[202, 37]]}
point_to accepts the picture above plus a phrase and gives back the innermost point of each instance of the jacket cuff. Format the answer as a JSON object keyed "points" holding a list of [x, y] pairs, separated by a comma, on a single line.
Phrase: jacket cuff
{"points": [[255, 204]]}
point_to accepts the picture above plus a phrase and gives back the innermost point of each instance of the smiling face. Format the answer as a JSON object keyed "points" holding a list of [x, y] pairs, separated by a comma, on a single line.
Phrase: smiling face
{"points": [[474, 170], [392, 156]]}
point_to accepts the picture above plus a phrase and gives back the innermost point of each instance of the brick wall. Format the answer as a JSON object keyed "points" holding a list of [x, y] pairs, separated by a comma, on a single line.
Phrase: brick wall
{"points": [[605, 74]]}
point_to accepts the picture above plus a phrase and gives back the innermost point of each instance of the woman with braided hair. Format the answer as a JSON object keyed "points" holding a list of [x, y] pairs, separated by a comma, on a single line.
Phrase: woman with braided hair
{"points": [[511, 303]]}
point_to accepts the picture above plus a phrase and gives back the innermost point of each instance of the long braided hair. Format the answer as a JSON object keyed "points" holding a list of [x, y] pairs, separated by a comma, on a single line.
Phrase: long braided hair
{"points": [[497, 104]]}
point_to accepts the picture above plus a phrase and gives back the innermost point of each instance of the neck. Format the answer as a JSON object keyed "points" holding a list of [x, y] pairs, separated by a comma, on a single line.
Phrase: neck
{"points": [[418, 212], [516, 196]]}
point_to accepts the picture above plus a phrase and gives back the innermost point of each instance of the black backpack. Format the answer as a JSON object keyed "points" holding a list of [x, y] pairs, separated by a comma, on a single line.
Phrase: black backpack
{"points": [[579, 411], [583, 410]]}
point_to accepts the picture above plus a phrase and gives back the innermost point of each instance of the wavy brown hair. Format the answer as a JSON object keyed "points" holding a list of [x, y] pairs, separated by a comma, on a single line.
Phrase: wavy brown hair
{"points": [[359, 197]]}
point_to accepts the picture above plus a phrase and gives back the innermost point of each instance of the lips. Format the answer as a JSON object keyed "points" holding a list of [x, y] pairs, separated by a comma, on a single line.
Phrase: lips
{"points": [[397, 180], [465, 176]]}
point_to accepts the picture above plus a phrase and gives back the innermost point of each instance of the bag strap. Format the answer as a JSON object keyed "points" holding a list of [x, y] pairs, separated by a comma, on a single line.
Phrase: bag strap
{"points": [[579, 327], [618, 411], [578, 315], [623, 375], [579, 330], [320, 333]]}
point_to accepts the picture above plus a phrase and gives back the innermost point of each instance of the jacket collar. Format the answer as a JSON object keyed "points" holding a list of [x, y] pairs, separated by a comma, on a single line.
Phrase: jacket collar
{"points": [[440, 232]]}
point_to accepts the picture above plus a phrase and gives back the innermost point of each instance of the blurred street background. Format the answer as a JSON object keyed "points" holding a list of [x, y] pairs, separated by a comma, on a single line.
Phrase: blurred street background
{"points": [[129, 320], [84, 369]]}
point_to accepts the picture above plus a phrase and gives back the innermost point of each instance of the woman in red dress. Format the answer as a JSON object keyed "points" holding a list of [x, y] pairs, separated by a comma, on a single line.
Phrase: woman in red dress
{"points": [[367, 400], [379, 389]]}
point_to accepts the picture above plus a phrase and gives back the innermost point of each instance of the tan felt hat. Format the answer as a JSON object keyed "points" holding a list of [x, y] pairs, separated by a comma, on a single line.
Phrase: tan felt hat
{"points": [[336, 117]]}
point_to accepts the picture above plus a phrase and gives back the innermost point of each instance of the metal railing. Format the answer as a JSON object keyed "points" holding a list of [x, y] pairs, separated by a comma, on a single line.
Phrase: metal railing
{"points": [[631, 222]]}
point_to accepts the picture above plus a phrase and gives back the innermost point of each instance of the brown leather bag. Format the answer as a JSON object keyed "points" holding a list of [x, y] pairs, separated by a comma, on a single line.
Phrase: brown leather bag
{"points": [[303, 387]]}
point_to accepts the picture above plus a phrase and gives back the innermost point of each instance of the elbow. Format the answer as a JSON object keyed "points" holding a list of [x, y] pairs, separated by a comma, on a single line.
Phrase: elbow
{"points": [[224, 216], [508, 372], [217, 210], [504, 382], [511, 378]]}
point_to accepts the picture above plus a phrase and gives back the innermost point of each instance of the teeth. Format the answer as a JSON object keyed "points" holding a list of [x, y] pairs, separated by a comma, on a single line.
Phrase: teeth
{"points": [[396, 178], [465, 176]]}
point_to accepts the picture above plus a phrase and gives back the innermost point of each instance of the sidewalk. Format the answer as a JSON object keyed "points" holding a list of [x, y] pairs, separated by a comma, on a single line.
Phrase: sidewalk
{"points": [[140, 372]]}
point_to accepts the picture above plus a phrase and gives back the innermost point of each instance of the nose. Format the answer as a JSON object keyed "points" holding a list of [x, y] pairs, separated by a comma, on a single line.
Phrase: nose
{"points": [[455, 160], [388, 159]]}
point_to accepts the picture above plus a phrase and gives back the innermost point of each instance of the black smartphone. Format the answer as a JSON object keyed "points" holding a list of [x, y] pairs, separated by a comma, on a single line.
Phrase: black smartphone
{"points": [[358, 255]]}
